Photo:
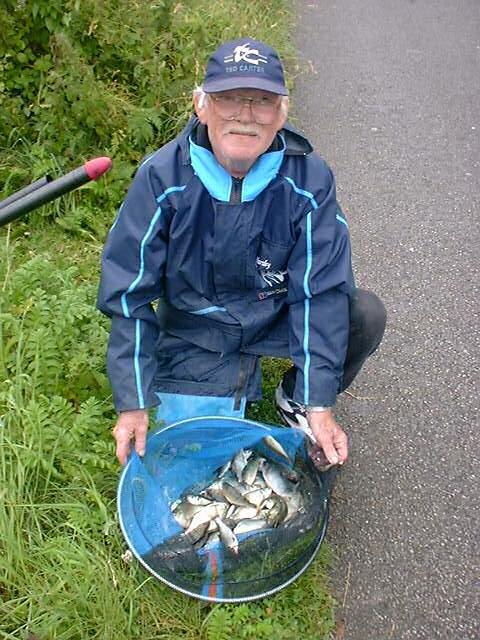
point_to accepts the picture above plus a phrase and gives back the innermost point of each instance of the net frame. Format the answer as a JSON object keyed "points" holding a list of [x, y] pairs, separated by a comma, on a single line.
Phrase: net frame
{"points": [[123, 488]]}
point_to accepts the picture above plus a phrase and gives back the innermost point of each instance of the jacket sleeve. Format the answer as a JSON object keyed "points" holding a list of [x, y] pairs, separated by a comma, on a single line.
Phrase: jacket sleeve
{"points": [[320, 283], [133, 264]]}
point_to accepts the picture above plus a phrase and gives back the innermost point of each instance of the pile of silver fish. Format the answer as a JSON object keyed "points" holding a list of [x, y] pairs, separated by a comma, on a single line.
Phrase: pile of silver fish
{"points": [[249, 493]]}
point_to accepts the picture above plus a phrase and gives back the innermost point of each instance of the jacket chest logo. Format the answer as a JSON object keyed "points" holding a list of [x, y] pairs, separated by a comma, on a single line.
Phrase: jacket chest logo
{"points": [[269, 276]]}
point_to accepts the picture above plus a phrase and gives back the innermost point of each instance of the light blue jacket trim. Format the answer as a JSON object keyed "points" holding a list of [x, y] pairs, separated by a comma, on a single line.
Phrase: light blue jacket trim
{"points": [[306, 351], [262, 173], [340, 219], [136, 364], [302, 192], [145, 239], [202, 312], [308, 267], [218, 182], [148, 158], [125, 309], [306, 288], [117, 217], [306, 318]]}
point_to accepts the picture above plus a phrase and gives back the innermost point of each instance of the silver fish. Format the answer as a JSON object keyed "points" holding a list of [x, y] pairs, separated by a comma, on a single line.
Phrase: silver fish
{"points": [[234, 496], [244, 513], [251, 469], [288, 472], [274, 445], [184, 512], [250, 493], [277, 511], [223, 470], [212, 511], [239, 462], [276, 481], [227, 536], [212, 539], [198, 500], [259, 482], [205, 531], [258, 496], [294, 505], [230, 522], [215, 490], [245, 526], [239, 486], [199, 536], [195, 535]]}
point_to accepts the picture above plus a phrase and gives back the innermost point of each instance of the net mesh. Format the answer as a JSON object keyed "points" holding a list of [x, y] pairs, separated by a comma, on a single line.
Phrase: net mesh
{"points": [[186, 458]]}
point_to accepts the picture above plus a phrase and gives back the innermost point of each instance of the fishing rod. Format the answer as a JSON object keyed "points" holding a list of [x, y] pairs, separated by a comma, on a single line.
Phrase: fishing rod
{"points": [[46, 189]]}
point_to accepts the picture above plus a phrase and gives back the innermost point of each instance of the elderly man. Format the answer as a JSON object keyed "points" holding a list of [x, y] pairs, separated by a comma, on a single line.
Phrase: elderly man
{"points": [[234, 232]]}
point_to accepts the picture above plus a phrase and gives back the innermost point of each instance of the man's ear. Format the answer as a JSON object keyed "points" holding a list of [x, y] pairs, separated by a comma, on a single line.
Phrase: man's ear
{"points": [[283, 113], [200, 104]]}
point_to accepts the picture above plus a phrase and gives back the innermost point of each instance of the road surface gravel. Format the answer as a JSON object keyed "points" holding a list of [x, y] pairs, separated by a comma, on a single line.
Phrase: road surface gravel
{"points": [[390, 95]]}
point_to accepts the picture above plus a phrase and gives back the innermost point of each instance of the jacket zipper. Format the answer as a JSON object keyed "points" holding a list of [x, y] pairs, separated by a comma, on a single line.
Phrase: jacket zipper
{"points": [[236, 192]]}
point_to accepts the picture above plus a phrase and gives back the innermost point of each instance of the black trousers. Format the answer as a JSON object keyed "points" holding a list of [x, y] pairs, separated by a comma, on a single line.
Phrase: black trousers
{"points": [[368, 319]]}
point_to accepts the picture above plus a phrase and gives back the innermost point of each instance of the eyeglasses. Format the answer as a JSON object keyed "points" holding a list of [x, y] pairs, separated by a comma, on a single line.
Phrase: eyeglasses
{"points": [[230, 107]]}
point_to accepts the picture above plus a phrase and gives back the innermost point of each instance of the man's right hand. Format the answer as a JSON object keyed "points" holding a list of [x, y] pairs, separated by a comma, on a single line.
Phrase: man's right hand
{"points": [[131, 426], [329, 435]]}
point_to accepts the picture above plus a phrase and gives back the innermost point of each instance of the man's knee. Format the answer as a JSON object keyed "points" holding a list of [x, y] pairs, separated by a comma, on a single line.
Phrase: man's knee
{"points": [[368, 316]]}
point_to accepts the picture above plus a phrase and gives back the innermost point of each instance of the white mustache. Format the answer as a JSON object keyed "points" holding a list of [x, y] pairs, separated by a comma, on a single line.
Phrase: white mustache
{"points": [[243, 132]]}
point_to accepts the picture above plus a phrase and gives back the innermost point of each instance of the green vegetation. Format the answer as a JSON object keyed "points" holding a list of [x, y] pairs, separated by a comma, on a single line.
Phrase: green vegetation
{"points": [[81, 79]]}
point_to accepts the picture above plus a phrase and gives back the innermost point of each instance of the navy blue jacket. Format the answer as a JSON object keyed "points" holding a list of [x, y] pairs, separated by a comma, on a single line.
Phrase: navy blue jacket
{"points": [[230, 255]]}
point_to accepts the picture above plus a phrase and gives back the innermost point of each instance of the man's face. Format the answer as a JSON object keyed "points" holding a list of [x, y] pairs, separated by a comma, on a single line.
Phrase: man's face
{"points": [[240, 131]]}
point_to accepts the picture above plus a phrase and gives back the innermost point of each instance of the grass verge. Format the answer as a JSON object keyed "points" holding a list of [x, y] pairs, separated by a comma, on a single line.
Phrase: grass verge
{"points": [[62, 575]]}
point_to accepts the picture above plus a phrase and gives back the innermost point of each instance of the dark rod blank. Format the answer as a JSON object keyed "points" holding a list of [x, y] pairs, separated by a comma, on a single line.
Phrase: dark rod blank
{"points": [[23, 192], [91, 170]]}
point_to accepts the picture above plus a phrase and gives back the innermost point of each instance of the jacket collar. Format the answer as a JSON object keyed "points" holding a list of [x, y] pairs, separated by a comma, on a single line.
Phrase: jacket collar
{"points": [[219, 182], [295, 143]]}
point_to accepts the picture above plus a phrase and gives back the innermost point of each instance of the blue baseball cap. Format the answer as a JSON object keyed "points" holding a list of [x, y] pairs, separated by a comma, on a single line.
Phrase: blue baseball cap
{"points": [[245, 64]]}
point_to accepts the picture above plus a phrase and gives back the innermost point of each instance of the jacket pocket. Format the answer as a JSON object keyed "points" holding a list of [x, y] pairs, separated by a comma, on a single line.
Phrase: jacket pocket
{"points": [[269, 264]]}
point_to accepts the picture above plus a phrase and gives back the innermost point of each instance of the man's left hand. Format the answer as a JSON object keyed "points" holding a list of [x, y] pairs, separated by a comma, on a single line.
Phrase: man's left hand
{"points": [[329, 435]]}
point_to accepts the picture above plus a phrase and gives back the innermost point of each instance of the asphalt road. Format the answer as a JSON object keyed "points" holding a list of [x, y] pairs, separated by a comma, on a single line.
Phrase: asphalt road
{"points": [[391, 99]]}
